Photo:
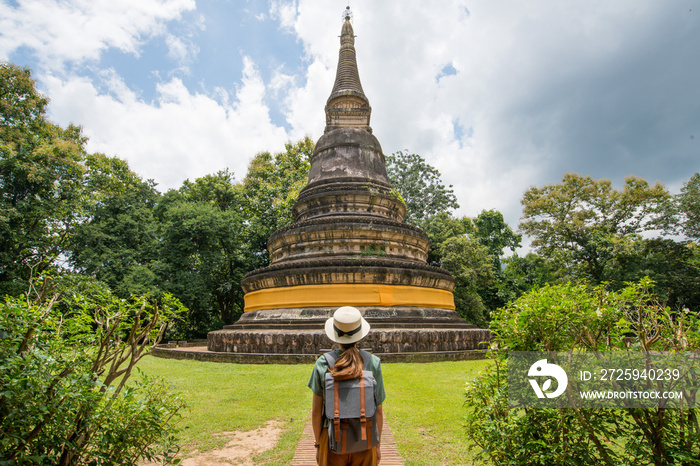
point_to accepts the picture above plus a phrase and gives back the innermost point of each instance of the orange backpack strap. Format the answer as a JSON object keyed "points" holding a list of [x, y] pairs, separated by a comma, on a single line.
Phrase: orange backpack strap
{"points": [[336, 414], [344, 441], [363, 417]]}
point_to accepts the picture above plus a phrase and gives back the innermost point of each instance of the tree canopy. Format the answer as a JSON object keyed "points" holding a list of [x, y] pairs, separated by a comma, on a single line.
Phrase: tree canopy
{"points": [[48, 182], [420, 185], [689, 206], [580, 222]]}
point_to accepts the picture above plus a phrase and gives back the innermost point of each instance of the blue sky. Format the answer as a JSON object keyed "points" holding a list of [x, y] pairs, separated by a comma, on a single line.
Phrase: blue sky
{"points": [[498, 95]]}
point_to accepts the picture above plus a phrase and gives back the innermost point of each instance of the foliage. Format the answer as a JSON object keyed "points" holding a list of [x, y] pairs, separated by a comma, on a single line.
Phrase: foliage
{"points": [[120, 243], [202, 263], [521, 274], [472, 268], [580, 222], [570, 317], [689, 205], [453, 248], [674, 266], [22, 108], [493, 232], [215, 230], [420, 185], [439, 228], [42, 198], [471, 250], [197, 242], [48, 182], [270, 189], [65, 359]]}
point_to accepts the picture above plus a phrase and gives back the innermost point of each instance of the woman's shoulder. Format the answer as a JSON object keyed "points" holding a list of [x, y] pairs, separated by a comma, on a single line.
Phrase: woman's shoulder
{"points": [[321, 362], [374, 360]]}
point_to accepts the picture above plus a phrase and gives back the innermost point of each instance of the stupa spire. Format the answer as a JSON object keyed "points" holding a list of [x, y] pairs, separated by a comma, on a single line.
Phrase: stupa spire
{"points": [[347, 104]]}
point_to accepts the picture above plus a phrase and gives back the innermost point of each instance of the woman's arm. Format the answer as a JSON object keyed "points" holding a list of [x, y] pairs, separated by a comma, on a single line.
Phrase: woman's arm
{"points": [[317, 419], [380, 425]]}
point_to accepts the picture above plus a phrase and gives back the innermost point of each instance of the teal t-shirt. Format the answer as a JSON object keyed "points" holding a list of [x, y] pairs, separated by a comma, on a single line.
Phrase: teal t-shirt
{"points": [[316, 382]]}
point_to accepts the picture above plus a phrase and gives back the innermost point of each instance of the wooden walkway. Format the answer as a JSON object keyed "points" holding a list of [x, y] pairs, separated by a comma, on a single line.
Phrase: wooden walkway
{"points": [[305, 454]]}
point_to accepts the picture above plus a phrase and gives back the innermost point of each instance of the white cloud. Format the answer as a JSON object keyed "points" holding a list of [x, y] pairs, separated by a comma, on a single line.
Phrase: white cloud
{"points": [[181, 135], [304, 105], [179, 50], [284, 11], [281, 83], [60, 31]]}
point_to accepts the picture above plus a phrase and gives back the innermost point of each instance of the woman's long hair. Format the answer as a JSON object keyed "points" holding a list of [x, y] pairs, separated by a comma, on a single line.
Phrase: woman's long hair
{"points": [[349, 365]]}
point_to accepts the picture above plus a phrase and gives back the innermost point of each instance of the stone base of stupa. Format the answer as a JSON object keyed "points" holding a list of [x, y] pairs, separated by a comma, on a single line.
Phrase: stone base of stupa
{"points": [[398, 333]]}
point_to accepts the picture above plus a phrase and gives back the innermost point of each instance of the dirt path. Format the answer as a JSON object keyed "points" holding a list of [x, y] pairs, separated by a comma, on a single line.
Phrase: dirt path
{"points": [[239, 450]]}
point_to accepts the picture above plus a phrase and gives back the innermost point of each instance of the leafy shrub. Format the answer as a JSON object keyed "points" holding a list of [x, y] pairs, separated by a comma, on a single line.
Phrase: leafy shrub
{"points": [[64, 366], [567, 318]]}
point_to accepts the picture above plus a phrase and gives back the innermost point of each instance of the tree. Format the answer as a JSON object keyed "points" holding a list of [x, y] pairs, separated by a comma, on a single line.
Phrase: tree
{"points": [[22, 108], [215, 230], [674, 267], [441, 227], [42, 198], [461, 245], [420, 185], [689, 205], [39, 168], [220, 190], [493, 232], [270, 189], [472, 268], [522, 274], [222, 242], [202, 261], [196, 242], [119, 243], [48, 182], [579, 222]]}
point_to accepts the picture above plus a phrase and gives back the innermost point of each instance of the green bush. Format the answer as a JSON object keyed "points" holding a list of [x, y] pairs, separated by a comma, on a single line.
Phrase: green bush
{"points": [[64, 366], [567, 318]]}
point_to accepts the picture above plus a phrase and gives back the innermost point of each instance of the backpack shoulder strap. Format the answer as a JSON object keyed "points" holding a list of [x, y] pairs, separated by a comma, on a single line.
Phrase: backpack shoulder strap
{"points": [[331, 358], [366, 357]]}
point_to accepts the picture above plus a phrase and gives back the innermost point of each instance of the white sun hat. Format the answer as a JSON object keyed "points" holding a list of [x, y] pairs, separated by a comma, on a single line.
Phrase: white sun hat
{"points": [[346, 326]]}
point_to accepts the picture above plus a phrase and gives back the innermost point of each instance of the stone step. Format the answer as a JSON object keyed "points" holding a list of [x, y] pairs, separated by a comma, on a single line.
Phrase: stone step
{"points": [[316, 324], [202, 354]]}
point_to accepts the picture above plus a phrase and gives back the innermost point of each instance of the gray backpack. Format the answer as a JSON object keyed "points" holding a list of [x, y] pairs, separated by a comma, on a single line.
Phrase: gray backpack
{"points": [[351, 407]]}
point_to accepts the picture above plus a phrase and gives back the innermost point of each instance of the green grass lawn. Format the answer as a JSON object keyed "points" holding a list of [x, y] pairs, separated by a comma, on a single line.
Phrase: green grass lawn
{"points": [[423, 405]]}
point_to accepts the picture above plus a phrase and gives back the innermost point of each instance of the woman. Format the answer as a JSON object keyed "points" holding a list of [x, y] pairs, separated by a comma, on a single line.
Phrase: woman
{"points": [[346, 327]]}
